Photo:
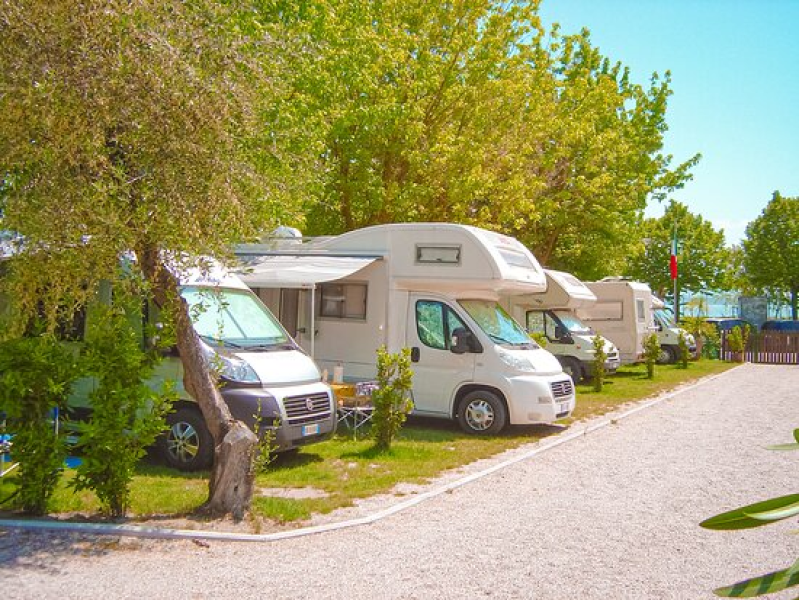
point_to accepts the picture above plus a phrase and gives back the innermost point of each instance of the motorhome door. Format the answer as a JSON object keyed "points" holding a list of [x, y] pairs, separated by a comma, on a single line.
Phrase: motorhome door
{"points": [[437, 371]]}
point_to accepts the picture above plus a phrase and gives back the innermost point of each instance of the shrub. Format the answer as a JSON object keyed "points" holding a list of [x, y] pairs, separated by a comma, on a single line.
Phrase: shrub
{"points": [[651, 354], [736, 340], [36, 378], [392, 400], [599, 362], [684, 353], [127, 415]]}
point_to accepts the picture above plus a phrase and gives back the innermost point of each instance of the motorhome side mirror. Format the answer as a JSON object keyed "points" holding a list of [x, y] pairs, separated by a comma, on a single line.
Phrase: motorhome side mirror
{"points": [[460, 341], [562, 335]]}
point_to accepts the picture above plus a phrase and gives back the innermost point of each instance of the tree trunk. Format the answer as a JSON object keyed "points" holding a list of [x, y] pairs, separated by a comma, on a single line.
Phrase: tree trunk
{"points": [[232, 477]]}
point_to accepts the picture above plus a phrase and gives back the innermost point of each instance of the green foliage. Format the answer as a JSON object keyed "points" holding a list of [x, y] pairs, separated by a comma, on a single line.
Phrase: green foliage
{"points": [[127, 415], [264, 453], [540, 338], [771, 254], [682, 344], [736, 341], [36, 376], [473, 112], [600, 357], [651, 354], [392, 399], [757, 515], [706, 335], [703, 259]]}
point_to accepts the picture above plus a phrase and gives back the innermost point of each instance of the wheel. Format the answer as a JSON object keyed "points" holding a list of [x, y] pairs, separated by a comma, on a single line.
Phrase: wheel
{"points": [[573, 368], [482, 411], [667, 355], [188, 444]]}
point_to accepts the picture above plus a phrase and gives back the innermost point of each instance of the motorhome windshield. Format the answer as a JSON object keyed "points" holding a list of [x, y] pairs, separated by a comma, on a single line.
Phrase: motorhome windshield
{"points": [[663, 318], [496, 323], [233, 318], [572, 323]]}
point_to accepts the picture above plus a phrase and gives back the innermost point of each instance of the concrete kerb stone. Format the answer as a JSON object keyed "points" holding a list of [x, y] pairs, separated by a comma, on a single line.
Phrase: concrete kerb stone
{"points": [[163, 533]]}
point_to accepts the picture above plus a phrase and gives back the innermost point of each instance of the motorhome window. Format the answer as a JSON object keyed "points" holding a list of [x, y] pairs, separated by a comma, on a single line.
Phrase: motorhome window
{"points": [[496, 323], [430, 324], [517, 259], [343, 300], [572, 323], [606, 311], [448, 255], [232, 316], [535, 321], [639, 310]]}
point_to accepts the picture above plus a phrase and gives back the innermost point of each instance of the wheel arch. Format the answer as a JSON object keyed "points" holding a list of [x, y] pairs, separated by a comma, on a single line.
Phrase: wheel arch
{"points": [[474, 387]]}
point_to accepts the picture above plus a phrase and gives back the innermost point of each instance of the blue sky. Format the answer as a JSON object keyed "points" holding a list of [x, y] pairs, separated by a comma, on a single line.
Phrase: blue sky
{"points": [[735, 78]]}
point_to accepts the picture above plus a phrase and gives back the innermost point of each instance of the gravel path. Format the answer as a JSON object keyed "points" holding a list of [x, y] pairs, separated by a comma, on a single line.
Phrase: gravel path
{"points": [[612, 514]]}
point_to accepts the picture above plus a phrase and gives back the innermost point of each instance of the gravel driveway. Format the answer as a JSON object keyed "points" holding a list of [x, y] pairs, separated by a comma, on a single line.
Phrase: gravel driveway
{"points": [[612, 514]]}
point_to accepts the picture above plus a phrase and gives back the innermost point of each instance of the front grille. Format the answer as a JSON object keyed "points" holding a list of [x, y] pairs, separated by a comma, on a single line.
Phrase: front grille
{"points": [[562, 389], [307, 409]]}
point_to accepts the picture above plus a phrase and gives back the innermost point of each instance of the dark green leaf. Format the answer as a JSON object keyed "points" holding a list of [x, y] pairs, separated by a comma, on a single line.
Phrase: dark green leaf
{"points": [[757, 586]]}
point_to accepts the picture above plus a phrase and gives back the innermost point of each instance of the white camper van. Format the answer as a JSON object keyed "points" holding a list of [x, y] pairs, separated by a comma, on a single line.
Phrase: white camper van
{"points": [[262, 372], [554, 315], [669, 334], [622, 313], [432, 287]]}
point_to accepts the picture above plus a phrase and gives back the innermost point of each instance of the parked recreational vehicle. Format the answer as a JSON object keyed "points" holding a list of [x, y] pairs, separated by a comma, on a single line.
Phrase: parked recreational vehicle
{"points": [[622, 313], [669, 334], [554, 314], [262, 369], [432, 287]]}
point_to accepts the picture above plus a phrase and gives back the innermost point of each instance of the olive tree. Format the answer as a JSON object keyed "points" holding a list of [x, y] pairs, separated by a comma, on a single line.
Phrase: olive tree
{"points": [[143, 125]]}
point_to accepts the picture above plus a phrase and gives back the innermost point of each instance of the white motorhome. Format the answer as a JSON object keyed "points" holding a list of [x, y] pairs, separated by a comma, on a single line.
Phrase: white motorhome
{"points": [[431, 287], [262, 371], [669, 334], [553, 314], [622, 313]]}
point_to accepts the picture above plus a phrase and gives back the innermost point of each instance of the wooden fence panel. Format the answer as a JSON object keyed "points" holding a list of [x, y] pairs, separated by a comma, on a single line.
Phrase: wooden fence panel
{"points": [[771, 347]]}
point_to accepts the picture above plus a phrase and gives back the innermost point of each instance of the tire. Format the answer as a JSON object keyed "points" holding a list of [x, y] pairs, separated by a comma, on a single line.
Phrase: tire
{"points": [[667, 356], [573, 369], [187, 445], [482, 412]]}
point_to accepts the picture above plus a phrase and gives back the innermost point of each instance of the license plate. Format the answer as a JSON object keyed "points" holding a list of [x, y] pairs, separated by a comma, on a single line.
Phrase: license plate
{"points": [[310, 429], [564, 407]]}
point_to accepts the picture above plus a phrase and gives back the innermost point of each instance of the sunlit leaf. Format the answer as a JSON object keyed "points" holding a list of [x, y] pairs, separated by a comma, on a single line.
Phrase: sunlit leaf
{"points": [[741, 518]]}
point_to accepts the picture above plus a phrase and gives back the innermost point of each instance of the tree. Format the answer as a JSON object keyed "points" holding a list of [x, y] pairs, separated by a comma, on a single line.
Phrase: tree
{"points": [[592, 158], [140, 125], [703, 260], [771, 250], [471, 112]]}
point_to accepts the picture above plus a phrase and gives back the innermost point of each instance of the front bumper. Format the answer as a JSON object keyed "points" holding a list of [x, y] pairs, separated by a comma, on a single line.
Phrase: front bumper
{"points": [[540, 399]]}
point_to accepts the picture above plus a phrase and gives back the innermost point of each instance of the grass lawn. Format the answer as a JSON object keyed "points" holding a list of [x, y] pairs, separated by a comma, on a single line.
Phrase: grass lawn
{"points": [[342, 470]]}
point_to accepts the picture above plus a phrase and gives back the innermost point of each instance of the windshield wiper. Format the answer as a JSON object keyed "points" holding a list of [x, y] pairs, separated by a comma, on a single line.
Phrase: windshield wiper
{"points": [[220, 341]]}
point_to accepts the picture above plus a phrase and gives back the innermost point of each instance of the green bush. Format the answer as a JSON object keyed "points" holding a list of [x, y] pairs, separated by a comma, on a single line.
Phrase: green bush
{"points": [[736, 341], [392, 399], [684, 353], [127, 415], [599, 362], [36, 377], [651, 354]]}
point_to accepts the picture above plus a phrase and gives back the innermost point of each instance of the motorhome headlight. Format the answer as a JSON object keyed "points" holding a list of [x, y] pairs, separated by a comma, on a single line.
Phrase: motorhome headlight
{"points": [[230, 367], [514, 361]]}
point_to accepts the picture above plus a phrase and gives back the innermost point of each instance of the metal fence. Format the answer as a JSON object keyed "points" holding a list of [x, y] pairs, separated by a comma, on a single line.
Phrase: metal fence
{"points": [[771, 347]]}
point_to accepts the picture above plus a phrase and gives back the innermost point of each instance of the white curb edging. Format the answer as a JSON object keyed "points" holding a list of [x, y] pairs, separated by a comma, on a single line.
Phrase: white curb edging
{"points": [[155, 532]]}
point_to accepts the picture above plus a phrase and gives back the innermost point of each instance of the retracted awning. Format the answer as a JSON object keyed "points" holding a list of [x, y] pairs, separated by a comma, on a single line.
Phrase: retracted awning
{"points": [[294, 271]]}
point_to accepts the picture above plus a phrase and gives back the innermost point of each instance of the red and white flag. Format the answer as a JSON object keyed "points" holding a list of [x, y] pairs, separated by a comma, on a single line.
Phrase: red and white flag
{"points": [[673, 261]]}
